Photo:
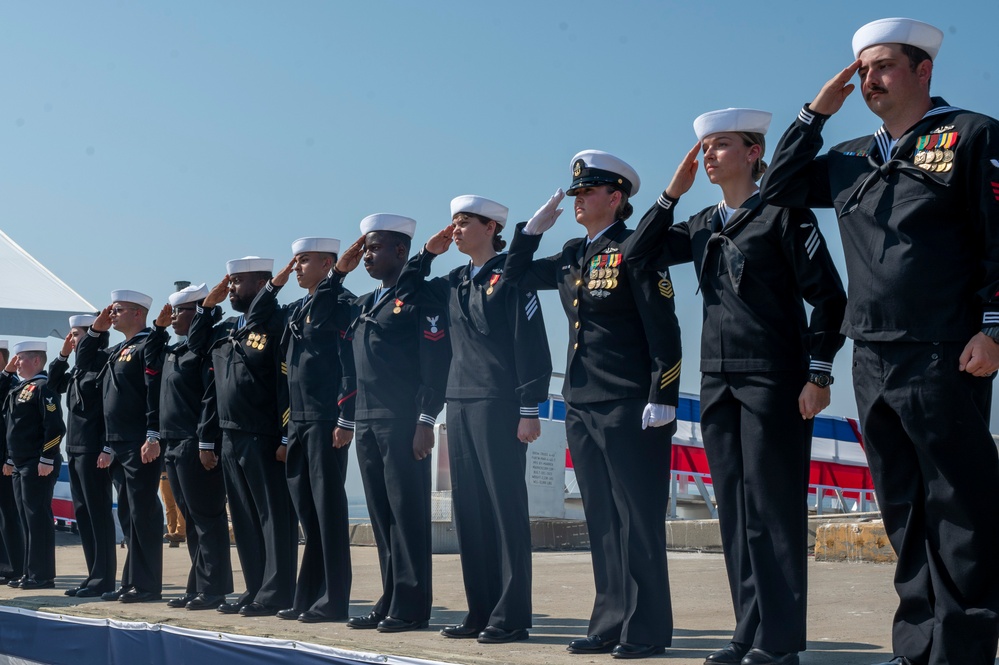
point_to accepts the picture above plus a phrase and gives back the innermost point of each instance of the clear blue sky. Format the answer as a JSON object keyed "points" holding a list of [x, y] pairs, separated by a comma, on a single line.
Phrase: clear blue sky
{"points": [[145, 142]]}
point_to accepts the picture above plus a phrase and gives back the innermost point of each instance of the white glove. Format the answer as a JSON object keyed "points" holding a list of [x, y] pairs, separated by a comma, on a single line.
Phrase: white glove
{"points": [[546, 215], [657, 415]]}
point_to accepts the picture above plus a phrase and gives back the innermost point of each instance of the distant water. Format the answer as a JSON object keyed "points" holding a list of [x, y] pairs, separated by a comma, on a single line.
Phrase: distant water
{"points": [[357, 509]]}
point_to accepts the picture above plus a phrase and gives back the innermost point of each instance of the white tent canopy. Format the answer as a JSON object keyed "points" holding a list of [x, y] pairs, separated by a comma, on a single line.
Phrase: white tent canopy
{"points": [[33, 301]]}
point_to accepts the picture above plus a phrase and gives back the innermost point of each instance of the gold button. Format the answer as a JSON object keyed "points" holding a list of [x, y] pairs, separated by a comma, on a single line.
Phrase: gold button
{"points": [[575, 303], [578, 282], [577, 325], [576, 345]]}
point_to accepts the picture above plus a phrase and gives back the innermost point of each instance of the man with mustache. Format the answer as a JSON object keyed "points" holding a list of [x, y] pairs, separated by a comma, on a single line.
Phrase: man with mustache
{"points": [[918, 206]]}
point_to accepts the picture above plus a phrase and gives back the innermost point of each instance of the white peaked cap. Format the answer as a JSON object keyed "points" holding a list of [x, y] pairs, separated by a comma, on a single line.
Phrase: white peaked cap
{"points": [[478, 205], [596, 167], [21, 347], [188, 294], [124, 295], [325, 245], [384, 221], [249, 264], [899, 31], [82, 320], [732, 120]]}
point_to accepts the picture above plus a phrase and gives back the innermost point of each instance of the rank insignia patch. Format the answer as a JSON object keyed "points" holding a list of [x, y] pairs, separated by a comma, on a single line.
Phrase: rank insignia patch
{"points": [[50, 404], [532, 305], [434, 333], [665, 286], [995, 190]]}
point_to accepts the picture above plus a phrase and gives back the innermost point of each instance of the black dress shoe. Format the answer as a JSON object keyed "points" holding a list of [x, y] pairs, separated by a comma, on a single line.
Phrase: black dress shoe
{"points": [[230, 608], [461, 631], [312, 616], [626, 650], [289, 614], [592, 644], [87, 592], [761, 657], [897, 660], [71, 592], [180, 601], [134, 595], [31, 584], [257, 610], [730, 655], [113, 595], [205, 601], [16, 582], [494, 635], [369, 620], [393, 625]]}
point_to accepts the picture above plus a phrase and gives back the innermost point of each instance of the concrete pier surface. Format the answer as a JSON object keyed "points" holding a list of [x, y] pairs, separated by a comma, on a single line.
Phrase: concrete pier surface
{"points": [[849, 616]]}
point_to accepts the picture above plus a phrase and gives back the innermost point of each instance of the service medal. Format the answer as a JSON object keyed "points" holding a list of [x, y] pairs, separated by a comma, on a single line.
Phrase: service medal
{"points": [[937, 155], [919, 158], [398, 306], [611, 283], [592, 284], [948, 155]]}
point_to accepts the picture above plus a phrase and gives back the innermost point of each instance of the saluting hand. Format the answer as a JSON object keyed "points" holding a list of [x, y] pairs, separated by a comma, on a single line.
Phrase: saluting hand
{"points": [[163, 318], [281, 278], [440, 241], [218, 293], [68, 345], [11, 367], [683, 179], [351, 258], [813, 400], [832, 95], [546, 215], [103, 321]]}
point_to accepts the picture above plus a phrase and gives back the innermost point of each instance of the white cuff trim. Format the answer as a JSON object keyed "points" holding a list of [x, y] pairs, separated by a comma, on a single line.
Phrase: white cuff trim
{"points": [[284, 441], [151, 434], [990, 319], [206, 445], [91, 333], [820, 366], [664, 202], [45, 460], [806, 116], [343, 423], [107, 450], [528, 412], [427, 419]]}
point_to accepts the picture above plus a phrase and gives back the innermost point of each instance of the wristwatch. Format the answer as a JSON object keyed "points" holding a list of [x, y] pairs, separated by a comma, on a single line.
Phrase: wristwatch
{"points": [[820, 379], [993, 332]]}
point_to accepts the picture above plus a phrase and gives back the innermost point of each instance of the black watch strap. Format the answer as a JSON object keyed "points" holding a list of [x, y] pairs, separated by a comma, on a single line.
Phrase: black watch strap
{"points": [[821, 379]]}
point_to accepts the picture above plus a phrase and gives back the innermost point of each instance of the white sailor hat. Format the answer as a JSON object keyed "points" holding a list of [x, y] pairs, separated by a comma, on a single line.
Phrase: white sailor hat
{"points": [[596, 167], [384, 221], [249, 264], [732, 120], [30, 345], [124, 295], [478, 205], [82, 320], [188, 294], [324, 245], [899, 31]]}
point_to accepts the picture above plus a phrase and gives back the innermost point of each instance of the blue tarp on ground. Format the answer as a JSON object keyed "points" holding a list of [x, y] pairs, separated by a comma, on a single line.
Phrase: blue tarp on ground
{"points": [[54, 639]]}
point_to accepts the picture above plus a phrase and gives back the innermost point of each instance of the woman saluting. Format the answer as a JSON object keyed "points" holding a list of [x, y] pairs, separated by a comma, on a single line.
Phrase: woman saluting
{"points": [[765, 370], [500, 371]]}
